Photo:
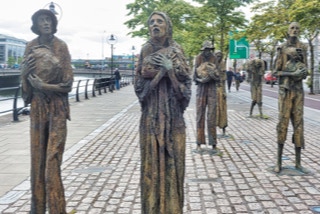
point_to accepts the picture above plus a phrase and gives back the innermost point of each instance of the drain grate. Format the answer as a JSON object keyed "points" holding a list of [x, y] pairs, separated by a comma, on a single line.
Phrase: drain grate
{"points": [[90, 170], [224, 136], [245, 141], [316, 209], [285, 158], [204, 180]]}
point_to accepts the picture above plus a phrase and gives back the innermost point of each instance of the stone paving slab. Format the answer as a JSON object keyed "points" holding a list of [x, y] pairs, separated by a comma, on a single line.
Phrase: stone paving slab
{"points": [[101, 171]]}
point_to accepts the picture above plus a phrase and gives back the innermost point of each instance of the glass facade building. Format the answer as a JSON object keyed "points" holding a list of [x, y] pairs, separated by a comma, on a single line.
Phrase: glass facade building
{"points": [[11, 47]]}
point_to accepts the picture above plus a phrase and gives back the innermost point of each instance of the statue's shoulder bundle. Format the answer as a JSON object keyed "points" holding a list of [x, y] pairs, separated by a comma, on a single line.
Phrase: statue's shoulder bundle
{"points": [[46, 63], [204, 69], [151, 63], [257, 66]]}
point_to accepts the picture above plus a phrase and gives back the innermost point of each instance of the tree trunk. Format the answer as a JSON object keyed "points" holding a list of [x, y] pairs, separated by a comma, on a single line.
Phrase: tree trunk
{"points": [[311, 65]]}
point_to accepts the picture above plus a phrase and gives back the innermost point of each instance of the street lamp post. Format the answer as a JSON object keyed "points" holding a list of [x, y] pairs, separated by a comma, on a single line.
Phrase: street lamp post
{"points": [[55, 9], [102, 53], [133, 49], [112, 41]]}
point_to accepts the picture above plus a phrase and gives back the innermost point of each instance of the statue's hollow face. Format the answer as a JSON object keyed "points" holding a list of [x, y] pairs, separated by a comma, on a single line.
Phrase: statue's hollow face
{"points": [[157, 26], [219, 56], [44, 24], [259, 63], [294, 29], [207, 52]]}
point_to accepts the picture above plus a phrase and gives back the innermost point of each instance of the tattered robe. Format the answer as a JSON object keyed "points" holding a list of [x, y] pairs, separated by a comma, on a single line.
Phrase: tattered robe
{"points": [[162, 130], [48, 127]]}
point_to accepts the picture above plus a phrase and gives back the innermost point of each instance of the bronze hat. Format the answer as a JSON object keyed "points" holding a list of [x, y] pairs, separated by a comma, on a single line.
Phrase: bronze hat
{"points": [[34, 17], [207, 45]]}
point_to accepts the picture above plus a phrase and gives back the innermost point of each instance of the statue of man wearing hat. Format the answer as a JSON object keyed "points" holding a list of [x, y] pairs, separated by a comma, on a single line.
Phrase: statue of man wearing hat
{"points": [[291, 69], [47, 79], [206, 76], [255, 69]]}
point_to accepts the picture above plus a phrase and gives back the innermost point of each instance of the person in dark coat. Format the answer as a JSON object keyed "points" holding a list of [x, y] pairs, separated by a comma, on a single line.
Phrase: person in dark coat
{"points": [[117, 78], [230, 76]]}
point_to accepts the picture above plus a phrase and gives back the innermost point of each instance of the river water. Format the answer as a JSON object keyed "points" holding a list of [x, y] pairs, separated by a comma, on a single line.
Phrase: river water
{"points": [[6, 97]]}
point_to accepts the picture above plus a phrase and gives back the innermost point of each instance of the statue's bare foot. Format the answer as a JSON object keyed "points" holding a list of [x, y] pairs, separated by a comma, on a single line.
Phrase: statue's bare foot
{"points": [[277, 169], [224, 131], [302, 169], [214, 147]]}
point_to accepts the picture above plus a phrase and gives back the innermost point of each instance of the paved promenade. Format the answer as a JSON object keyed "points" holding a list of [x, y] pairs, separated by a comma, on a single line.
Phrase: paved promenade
{"points": [[101, 167]]}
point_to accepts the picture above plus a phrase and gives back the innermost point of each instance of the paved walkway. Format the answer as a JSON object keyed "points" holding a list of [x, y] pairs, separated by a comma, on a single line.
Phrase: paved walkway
{"points": [[101, 165]]}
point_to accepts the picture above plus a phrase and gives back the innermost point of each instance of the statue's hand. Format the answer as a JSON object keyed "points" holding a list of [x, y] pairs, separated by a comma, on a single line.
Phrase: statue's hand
{"points": [[35, 81], [29, 65], [163, 61], [204, 79], [300, 73]]}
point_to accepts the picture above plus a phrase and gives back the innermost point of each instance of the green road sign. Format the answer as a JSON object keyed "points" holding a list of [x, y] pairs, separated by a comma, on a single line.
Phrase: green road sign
{"points": [[239, 49]]}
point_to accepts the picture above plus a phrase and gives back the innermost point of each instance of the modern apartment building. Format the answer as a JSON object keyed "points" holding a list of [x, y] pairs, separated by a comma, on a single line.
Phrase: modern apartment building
{"points": [[11, 48]]}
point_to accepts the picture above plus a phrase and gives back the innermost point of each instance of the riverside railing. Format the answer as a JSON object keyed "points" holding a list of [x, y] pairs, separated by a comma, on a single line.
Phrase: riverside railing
{"points": [[81, 88], [14, 97]]}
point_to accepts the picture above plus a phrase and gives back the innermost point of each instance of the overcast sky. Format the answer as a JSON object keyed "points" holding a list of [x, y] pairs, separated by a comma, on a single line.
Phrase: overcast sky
{"points": [[84, 25]]}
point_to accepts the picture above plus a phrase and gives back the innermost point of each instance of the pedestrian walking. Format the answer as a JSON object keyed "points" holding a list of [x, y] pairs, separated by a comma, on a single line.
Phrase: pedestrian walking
{"points": [[238, 79], [117, 77], [230, 76]]}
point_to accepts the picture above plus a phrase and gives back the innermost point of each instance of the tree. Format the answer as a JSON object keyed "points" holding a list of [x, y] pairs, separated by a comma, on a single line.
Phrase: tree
{"points": [[227, 19], [141, 9], [307, 13], [11, 61], [212, 20]]}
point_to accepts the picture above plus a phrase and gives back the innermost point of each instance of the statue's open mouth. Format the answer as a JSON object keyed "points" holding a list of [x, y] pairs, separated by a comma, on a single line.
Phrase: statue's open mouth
{"points": [[156, 30]]}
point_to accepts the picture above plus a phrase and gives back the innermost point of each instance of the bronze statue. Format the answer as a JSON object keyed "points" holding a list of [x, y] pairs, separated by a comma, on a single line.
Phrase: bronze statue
{"points": [[206, 77], [255, 70], [163, 86], [291, 69], [222, 118], [47, 78]]}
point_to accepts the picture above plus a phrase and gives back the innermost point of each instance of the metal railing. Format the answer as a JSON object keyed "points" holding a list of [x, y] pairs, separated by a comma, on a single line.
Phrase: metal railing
{"points": [[82, 87], [15, 109]]}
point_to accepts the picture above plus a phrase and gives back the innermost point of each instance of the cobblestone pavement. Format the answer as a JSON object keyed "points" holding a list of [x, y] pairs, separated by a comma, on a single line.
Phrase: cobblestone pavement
{"points": [[101, 171]]}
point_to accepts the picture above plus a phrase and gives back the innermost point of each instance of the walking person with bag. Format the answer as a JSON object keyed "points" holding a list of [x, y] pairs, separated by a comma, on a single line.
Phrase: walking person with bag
{"points": [[238, 79]]}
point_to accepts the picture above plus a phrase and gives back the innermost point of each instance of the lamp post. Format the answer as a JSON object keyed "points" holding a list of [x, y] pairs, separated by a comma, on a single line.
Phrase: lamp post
{"points": [[112, 41], [55, 9], [133, 49], [102, 53]]}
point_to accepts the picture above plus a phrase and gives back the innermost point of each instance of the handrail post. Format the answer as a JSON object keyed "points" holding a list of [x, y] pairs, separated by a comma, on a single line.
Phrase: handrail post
{"points": [[86, 89], [94, 87], [77, 92], [99, 86], [105, 81], [15, 109]]}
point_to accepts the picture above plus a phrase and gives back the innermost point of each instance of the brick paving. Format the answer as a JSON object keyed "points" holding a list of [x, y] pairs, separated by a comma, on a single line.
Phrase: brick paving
{"points": [[101, 171]]}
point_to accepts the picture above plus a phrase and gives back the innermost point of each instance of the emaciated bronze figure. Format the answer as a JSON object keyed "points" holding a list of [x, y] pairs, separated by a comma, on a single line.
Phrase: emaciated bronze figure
{"points": [[222, 117], [291, 69], [163, 86], [255, 70], [47, 78], [206, 77]]}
